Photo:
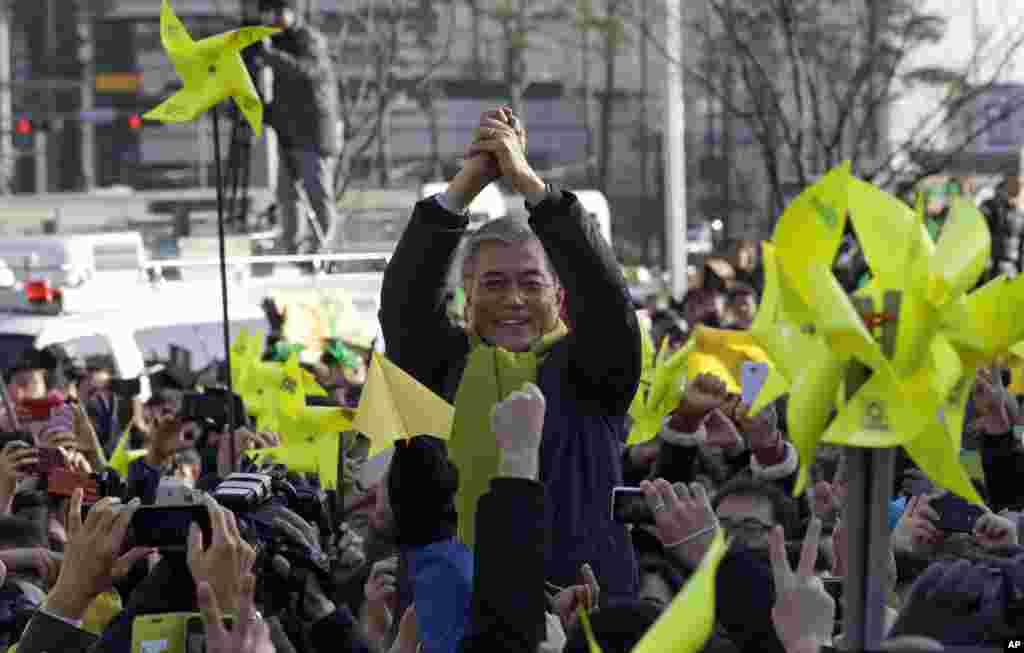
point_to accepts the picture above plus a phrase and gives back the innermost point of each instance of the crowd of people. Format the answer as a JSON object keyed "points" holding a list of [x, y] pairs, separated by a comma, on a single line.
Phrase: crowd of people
{"points": [[500, 535]]}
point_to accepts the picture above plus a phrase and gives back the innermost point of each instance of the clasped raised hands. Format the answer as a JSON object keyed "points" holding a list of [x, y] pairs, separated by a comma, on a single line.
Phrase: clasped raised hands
{"points": [[501, 138]]}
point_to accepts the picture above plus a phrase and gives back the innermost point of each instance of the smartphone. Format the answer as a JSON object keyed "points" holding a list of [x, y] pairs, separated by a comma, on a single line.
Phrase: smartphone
{"points": [[195, 632], [166, 527], [752, 379], [956, 515], [629, 506]]}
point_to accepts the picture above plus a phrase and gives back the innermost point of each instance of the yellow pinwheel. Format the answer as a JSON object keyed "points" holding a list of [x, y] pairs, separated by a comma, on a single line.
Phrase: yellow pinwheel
{"points": [[659, 393], [211, 70], [812, 331], [246, 352]]}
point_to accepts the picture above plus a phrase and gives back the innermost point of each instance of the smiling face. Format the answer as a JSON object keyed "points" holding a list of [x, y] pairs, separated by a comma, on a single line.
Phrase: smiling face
{"points": [[512, 298]]}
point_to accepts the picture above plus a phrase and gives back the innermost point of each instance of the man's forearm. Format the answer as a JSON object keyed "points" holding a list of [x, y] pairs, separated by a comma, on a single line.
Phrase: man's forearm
{"points": [[464, 189]]}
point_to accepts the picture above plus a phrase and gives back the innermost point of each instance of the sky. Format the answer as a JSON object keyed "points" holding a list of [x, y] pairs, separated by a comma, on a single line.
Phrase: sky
{"points": [[999, 16]]}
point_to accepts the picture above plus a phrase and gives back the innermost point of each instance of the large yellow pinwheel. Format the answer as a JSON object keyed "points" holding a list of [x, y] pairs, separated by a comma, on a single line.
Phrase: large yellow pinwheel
{"points": [[211, 69], [811, 330]]}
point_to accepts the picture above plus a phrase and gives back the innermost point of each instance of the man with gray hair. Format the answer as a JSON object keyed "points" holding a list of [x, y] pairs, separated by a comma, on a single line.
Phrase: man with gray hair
{"points": [[517, 276]]}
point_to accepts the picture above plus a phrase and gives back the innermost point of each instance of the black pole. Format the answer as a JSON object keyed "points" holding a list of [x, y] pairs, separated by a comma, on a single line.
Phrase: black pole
{"points": [[221, 245]]}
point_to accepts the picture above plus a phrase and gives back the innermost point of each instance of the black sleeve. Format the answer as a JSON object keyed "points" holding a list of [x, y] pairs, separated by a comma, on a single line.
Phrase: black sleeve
{"points": [[417, 333], [313, 61], [605, 350], [1002, 460], [508, 606], [45, 633]]}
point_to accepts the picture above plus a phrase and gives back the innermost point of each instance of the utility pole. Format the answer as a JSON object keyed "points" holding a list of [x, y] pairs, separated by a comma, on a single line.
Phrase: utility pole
{"points": [[41, 137], [6, 102], [86, 56], [675, 149], [645, 128]]}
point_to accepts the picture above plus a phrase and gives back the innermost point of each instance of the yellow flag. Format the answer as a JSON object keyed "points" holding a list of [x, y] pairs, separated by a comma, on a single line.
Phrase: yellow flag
{"points": [[686, 625], [246, 350], [395, 406], [314, 422], [211, 69], [318, 455], [722, 352]]}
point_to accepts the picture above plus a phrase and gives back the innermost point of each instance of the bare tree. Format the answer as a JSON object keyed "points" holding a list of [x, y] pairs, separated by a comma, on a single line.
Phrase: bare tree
{"points": [[525, 26], [815, 81], [403, 47]]}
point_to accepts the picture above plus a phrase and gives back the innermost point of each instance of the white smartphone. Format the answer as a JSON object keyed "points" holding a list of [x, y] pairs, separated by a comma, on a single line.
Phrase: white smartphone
{"points": [[753, 377]]}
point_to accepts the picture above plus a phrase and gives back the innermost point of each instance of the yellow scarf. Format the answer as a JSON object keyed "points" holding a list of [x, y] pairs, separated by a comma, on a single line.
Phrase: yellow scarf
{"points": [[491, 374]]}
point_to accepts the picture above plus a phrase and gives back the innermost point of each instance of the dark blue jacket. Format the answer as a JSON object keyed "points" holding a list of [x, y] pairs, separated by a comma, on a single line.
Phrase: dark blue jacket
{"points": [[588, 379]]}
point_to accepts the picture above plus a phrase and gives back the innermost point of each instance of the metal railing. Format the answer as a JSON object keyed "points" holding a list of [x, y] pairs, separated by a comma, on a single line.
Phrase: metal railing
{"points": [[318, 261]]}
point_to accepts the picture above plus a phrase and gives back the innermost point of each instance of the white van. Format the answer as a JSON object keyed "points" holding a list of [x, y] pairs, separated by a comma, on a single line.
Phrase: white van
{"points": [[74, 261], [102, 335]]}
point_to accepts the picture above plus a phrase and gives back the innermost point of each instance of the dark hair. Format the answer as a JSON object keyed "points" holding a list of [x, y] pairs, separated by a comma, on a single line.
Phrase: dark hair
{"points": [[783, 507]]}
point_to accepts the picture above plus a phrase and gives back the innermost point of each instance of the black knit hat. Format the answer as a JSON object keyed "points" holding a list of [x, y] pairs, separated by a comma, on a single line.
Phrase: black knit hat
{"points": [[422, 483]]}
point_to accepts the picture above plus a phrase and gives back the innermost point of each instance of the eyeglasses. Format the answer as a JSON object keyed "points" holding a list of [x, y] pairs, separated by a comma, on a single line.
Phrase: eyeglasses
{"points": [[747, 525]]}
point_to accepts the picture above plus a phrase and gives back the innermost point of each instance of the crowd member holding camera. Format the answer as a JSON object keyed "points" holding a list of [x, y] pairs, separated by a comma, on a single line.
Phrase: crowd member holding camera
{"points": [[517, 278], [305, 114]]}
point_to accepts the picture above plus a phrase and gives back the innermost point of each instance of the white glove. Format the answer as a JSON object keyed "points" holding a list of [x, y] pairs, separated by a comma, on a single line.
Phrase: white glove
{"points": [[518, 423]]}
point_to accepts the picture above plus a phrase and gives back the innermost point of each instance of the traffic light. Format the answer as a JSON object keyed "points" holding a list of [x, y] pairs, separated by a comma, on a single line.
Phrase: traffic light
{"points": [[23, 127], [135, 121]]}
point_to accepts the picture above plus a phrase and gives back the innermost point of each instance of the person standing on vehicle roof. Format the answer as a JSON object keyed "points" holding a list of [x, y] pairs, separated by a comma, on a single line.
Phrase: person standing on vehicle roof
{"points": [[305, 114]]}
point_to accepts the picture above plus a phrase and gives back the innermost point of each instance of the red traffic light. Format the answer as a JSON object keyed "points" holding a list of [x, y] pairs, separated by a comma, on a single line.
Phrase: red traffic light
{"points": [[135, 121], [23, 126]]}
